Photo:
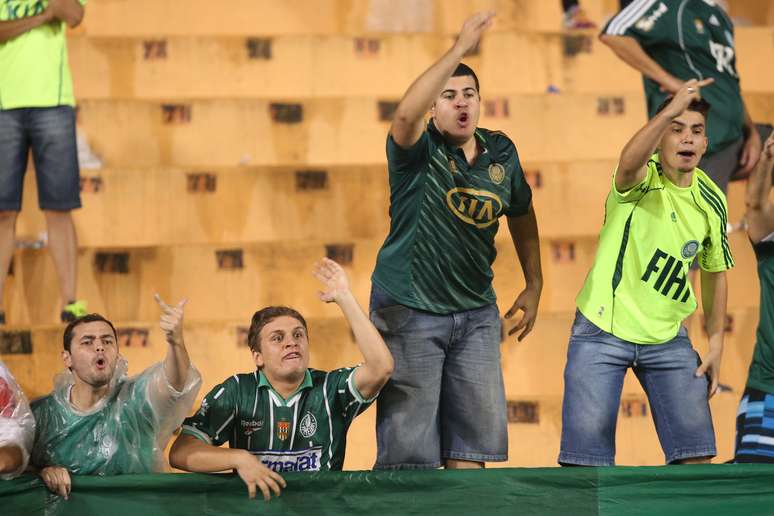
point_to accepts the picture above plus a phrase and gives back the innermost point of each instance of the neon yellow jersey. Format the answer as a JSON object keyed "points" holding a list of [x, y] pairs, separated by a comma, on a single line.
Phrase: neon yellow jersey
{"points": [[34, 68], [638, 288]]}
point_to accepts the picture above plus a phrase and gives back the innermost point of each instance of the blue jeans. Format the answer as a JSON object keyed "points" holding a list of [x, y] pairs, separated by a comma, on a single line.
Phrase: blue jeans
{"points": [[50, 133], [446, 398], [593, 378]]}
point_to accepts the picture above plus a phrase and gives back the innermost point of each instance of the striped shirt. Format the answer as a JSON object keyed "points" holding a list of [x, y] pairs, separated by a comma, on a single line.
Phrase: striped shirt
{"points": [[443, 220], [638, 287], [305, 432]]}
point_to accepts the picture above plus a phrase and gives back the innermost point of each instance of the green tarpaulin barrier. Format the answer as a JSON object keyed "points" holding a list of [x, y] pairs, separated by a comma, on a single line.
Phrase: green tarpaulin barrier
{"points": [[668, 490]]}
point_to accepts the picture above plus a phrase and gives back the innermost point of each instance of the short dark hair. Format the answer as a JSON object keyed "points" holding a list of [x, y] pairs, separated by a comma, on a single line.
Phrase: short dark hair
{"points": [[462, 70], [68, 333], [700, 106], [263, 317]]}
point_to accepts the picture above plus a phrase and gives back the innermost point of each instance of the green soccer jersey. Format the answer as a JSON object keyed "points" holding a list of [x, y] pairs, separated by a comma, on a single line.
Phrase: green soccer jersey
{"points": [[34, 68], [690, 39], [444, 217], [125, 432], [305, 432], [761, 374], [638, 287]]}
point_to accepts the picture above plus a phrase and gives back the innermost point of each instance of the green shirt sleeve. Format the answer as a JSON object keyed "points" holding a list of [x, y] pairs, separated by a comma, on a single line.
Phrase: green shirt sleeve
{"points": [[213, 423], [349, 402], [636, 192], [655, 24], [715, 255], [407, 160], [521, 192]]}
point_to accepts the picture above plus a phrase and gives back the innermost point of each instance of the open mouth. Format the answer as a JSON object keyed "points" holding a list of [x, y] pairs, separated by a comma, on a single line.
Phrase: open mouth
{"points": [[101, 363], [686, 154], [292, 356], [463, 118]]}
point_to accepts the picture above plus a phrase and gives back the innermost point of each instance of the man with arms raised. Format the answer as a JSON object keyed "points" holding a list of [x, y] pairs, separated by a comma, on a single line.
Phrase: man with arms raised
{"points": [[285, 416], [99, 422], [662, 213], [432, 297]]}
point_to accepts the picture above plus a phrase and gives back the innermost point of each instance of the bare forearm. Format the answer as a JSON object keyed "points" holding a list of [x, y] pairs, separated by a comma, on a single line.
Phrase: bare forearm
{"points": [[640, 148], [190, 454], [176, 365], [526, 240], [714, 290], [758, 185], [11, 459], [631, 52], [13, 28], [377, 359]]}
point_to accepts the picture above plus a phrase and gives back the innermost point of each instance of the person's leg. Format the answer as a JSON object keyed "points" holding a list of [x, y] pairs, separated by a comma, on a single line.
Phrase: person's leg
{"points": [[407, 409], [755, 428], [721, 165], [14, 148], [593, 380], [54, 151], [474, 424], [678, 400]]}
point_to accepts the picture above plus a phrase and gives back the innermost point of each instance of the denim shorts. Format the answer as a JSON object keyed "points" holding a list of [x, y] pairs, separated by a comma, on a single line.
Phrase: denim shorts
{"points": [[50, 134], [446, 398], [593, 379]]}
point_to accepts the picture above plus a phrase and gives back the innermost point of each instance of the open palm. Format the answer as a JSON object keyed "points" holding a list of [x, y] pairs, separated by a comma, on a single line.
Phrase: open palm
{"points": [[334, 279]]}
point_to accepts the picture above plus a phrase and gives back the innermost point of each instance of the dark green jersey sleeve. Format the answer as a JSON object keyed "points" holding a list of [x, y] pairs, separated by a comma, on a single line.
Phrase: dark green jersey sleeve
{"points": [[348, 400], [521, 192], [646, 21], [402, 160], [213, 423]]}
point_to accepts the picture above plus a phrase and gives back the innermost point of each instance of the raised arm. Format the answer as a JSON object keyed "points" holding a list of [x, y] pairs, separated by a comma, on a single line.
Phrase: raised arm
{"points": [[524, 233], [714, 295], [191, 454], [176, 363], [757, 195], [631, 52], [632, 166], [408, 122], [378, 364]]}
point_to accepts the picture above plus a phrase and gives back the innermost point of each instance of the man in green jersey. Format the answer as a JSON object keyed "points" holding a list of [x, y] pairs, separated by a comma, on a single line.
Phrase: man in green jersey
{"points": [[99, 422], [662, 213], [755, 419], [432, 297], [671, 41], [36, 114], [285, 416]]}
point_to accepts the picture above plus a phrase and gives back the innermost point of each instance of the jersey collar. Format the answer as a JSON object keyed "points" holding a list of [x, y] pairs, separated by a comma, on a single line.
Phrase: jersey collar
{"points": [[450, 150], [306, 383]]}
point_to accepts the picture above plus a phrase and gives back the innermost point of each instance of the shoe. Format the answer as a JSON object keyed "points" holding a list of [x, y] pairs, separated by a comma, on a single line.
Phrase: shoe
{"points": [[73, 310], [575, 18]]}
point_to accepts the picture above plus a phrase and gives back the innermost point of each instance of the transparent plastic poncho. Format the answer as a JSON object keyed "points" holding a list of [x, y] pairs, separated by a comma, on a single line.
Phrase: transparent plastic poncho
{"points": [[125, 432], [17, 426]]}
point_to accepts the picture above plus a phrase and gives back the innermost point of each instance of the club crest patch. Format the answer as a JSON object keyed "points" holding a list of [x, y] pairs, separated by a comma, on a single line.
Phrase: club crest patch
{"points": [[282, 430], [308, 425], [496, 173], [690, 249]]}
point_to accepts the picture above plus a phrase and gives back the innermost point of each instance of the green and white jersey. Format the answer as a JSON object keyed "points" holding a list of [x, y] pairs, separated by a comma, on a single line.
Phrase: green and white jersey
{"points": [[34, 67], [638, 287], [690, 39], [443, 220], [305, 432]]}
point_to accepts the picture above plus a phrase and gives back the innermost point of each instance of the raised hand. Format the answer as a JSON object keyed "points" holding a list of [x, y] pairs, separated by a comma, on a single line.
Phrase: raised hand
{"points": [[171, 321], [333, 278], [472, 30], [688, 92]]}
